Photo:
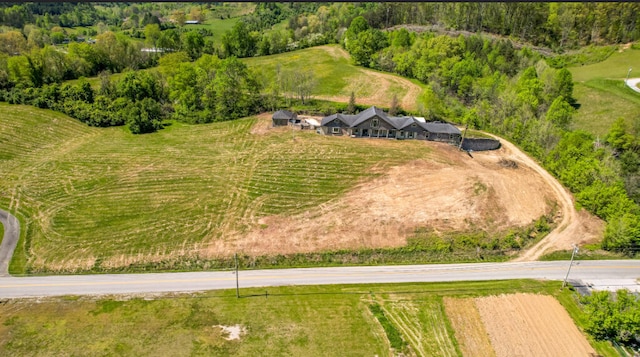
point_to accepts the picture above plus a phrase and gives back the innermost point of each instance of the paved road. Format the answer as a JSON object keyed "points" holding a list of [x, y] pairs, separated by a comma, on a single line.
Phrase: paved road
{"points": [[611, 274], [9, 241], [633, 84]]}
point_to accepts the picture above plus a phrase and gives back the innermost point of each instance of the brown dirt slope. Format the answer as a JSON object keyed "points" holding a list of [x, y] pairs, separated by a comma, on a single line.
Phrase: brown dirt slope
{"points": [[447, 191], [531, 325]]}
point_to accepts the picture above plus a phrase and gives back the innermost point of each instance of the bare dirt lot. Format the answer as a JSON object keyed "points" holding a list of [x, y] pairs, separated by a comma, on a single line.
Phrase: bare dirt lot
{"points": [[447, 191], [531, 325]]}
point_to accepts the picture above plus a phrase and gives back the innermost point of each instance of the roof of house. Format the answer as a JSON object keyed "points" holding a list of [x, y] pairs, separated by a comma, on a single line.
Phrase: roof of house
{"points": [[440, 128], [284, 114], [396, 122]]}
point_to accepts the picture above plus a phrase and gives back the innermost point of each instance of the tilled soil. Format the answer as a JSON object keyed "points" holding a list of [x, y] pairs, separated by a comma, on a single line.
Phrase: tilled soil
{"points": [[531, 325]]}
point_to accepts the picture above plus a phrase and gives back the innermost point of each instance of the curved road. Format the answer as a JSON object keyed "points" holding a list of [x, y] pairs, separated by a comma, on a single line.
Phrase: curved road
{"points": [[9, 241], [610, 274], [633, 84]]}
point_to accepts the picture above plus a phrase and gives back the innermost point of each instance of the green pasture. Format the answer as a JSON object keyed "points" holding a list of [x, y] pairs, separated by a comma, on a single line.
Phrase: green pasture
{"points": [[615, 66], [217, 26], [602, 94], [87, 194], [602, 101], [335, 74], [310, 320]]}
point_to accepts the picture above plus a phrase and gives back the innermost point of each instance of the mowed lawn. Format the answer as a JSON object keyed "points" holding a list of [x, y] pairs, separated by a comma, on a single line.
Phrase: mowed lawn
{"points": [[602, 94], [295, 321], [92, 195]]}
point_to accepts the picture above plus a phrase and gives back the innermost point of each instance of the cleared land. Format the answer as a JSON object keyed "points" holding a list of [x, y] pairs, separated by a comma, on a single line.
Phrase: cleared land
{"points": [[106, 198], [467, 324], [318, 321], [531, 325], [602, 94], [337, 77]]}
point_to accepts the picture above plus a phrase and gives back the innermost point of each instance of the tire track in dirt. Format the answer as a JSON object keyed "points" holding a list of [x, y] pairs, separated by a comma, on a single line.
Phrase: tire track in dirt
{"points": [[570, 230]]}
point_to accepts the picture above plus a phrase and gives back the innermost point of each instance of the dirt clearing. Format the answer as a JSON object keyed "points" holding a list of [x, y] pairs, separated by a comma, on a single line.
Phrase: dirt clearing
{"points": [[447, 191], [531, 325], [469, 330]]}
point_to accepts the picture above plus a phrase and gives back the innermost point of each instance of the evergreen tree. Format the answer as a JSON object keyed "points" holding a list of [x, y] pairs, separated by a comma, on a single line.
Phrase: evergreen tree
{"points": [[351, 109]]}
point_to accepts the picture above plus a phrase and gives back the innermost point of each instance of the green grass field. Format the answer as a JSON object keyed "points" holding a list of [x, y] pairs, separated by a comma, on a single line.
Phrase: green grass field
{"points": [[614, 67], [217, 26], [602, 94], [92, 195], [312, 321], [337, 77]]}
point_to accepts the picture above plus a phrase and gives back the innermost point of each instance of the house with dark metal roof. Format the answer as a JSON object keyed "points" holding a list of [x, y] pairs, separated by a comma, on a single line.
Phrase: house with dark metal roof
{"points": [[375, 123], [284, 117]]}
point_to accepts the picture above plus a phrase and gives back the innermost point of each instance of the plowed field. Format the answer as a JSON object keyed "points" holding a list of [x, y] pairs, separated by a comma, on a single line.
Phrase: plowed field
{"points": [[531, 325]]}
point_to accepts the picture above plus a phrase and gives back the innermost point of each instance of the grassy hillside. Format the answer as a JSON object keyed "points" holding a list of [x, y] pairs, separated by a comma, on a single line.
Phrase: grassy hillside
{"points": [[337, 77], [602, 94], [96, 196], [312, 321], [217, 26]]}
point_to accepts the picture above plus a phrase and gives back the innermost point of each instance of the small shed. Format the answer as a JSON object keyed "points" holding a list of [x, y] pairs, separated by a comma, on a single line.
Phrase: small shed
{"points": [[284, 117]]}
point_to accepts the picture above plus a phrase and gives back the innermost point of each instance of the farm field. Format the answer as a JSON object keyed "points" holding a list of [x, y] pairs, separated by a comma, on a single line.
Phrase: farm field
{"points": [[469, 330], [312, 320], [337, 77], [104, 199], [530, 325], [602, 94]]}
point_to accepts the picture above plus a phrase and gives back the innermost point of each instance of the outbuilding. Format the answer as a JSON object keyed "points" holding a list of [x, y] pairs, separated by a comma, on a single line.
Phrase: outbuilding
{"points": [[284, 117]]}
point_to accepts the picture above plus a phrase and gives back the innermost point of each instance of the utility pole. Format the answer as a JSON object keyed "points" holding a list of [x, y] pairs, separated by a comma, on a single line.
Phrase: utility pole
{"points": [[628, 73], [575, 250], [237, 282]]}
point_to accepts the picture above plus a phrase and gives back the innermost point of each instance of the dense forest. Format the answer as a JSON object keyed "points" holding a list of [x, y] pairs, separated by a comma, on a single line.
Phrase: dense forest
{"points": [[496, 83]]}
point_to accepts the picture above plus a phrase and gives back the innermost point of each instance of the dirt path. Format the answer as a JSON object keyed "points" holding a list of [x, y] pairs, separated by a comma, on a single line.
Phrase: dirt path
{"points": [[574, 228]]}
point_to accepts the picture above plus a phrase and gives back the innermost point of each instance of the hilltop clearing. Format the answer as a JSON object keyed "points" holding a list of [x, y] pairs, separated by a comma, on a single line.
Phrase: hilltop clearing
{"points": [[336, 77], [105, 198]]}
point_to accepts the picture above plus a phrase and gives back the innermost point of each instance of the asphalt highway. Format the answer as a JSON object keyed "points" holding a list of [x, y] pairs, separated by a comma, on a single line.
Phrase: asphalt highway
{"points": [[602, 274]]}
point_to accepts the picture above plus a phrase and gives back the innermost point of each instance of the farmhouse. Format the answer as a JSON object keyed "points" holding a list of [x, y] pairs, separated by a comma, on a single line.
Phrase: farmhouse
{"points": [[284, 117], [375, 123]]}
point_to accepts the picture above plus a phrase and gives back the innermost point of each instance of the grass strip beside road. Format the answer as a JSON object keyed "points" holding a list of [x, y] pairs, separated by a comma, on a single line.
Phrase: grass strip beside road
{"points": [[293, 320]]}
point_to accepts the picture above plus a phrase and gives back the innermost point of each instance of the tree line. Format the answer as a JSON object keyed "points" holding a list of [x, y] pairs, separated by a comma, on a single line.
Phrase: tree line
{"points": [[209, 89]]}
